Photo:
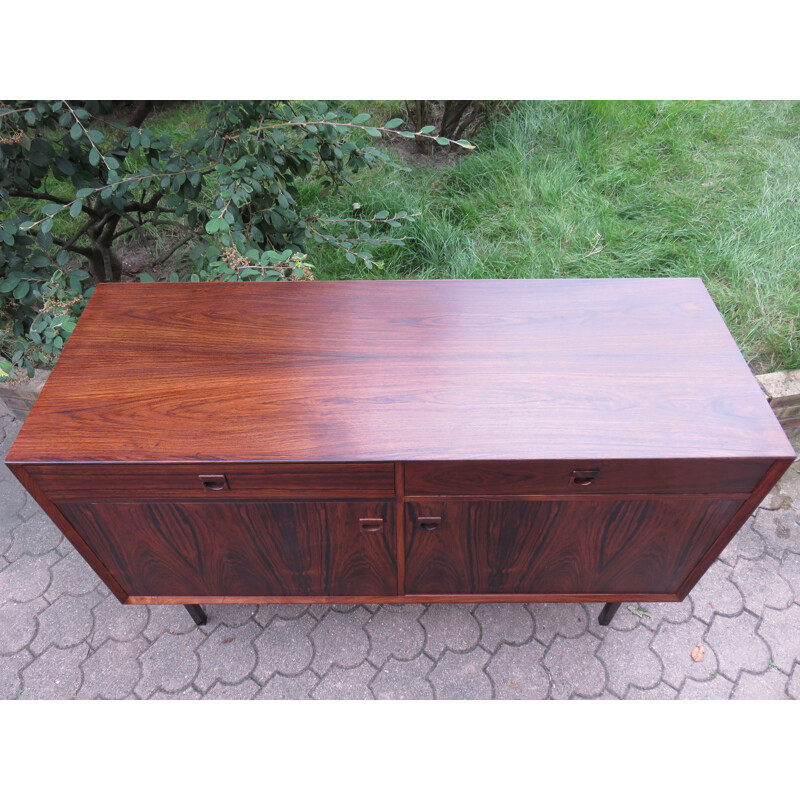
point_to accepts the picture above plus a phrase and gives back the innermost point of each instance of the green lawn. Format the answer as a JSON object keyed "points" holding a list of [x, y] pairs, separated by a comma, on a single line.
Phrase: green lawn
{"points": [[613, 189]]}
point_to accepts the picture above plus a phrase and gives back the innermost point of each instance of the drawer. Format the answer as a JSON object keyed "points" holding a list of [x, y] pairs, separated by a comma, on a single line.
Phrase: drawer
{"points": [[669, 476], [213, 481]]}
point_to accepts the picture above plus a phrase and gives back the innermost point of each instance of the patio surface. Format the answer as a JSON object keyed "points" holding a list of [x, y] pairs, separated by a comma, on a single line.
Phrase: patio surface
{"points": [[64, 635]]}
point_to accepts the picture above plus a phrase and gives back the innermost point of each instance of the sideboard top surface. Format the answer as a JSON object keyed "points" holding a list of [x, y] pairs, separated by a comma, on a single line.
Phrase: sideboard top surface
{"points": [[401, 370]]}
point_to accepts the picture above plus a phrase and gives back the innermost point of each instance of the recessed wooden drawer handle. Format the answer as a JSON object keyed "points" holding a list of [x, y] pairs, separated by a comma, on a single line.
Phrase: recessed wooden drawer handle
{"points": [[430, 523], [215, 483], [584, 477], [371, 525]]}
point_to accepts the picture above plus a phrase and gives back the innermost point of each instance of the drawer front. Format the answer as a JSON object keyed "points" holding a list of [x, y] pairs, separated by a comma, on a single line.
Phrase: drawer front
{"points": [[671, 476], [593, 545], [213, 481]]}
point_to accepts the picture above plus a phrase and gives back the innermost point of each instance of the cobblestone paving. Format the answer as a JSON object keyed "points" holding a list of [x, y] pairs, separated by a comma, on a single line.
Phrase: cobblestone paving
{"points": [[63, 635]]}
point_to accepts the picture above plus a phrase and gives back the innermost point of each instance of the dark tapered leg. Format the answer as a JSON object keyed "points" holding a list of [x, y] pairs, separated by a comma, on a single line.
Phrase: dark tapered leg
{"points": [[199, 616], [607, 614]]}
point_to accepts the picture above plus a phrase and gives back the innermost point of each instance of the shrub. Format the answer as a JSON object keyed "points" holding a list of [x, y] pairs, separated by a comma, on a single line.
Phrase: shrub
{"points": [[75, 179]]}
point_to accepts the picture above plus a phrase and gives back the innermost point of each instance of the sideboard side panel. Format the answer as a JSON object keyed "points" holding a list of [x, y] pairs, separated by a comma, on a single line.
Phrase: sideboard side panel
{"points": [[66, 527]]}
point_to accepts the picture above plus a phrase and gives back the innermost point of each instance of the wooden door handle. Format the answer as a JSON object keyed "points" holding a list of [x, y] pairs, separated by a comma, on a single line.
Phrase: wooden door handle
{"points": [[371, 525], [214, 483], [584, 477], [430, 523]]}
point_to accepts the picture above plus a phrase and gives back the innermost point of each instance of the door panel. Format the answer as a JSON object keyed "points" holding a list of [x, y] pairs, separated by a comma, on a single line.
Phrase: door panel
{"points": [[583, 546], [242, 549]]}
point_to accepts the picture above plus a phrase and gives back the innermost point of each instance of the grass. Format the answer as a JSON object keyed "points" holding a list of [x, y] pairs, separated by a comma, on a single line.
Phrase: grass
{"points": [[613, 189]]}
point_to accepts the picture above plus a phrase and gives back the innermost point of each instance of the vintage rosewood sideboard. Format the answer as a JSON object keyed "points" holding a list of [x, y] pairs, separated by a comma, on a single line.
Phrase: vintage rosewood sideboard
{"points": [[401, 441]]}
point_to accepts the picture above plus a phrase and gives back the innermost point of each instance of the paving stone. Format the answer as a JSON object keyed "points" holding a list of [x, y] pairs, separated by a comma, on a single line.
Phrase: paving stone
{"points": [[395, 633], [659, 692], [574, 668], [769, 685], [781, 631], [674, 613], [10, 669], [54, 675], [718, 688], [285, 646], [793, 687], [340, 640], [674, 645], [780, 531], [170, 663], [403, 680], [71, 575], [790, 572], [517, 672], [168, 619], [761, 585], [461, 676], [283, 687], [246, 690], [12, 494], [65, 623], [232, 615], [36, 536], [27, 578], [112, 671], [346, 683], [716, 593], [568, 620], [449, 626], [18, 624], [629, 660], [113, 620], [265, 614], [774, 500], [189, 693], [504, 622], [319, 610], [30, 509], [737, 646], [7, 526], [228, 654], [747, 544]]}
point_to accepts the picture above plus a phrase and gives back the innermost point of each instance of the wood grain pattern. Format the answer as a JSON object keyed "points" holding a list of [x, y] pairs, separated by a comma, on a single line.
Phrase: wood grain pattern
{"points": [[63, 482], [646, 476], [401, 370], [243, 548], [586, 546]]}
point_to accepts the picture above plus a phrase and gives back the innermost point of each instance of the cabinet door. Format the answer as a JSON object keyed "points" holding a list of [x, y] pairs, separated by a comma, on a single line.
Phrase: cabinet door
{"points": [[242, 549], [592, 545]]}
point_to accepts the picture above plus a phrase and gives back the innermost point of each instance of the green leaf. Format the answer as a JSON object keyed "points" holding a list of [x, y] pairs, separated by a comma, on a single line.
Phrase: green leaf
{"points": [[173, 277], [382, 215], [94, 157], [95, 136], [393, 123], [85, 192], [212, 226], [360, 119], [76, 131], [442, 141], [10, 282], [76, 208], [465, 144], [112, 162], [145, 278], [406, 134], [51, 208], [81, 274], [47, 224], [374, 132], [21, 290], [428, 129]]}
